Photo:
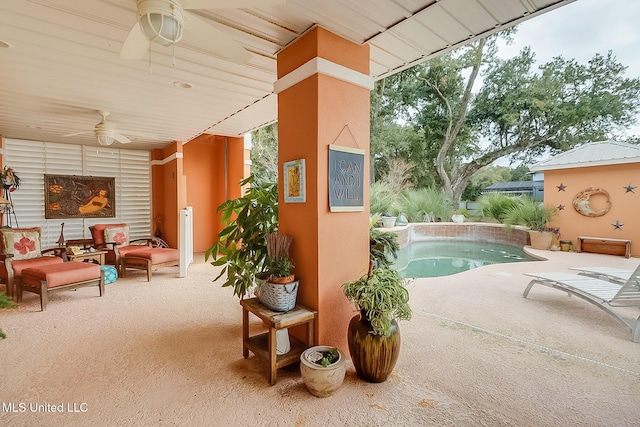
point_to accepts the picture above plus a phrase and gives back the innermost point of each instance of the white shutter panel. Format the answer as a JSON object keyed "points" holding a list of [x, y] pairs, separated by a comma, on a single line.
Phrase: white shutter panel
{"points": [[33, 159]]}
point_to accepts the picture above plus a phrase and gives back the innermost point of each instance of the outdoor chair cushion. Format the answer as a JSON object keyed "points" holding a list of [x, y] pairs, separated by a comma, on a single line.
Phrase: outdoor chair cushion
{"points": [[62, 274]]}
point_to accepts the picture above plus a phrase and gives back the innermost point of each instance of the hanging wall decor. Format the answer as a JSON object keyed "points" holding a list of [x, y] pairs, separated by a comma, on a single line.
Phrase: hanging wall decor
{"points": [[71, 196], [346, 179], [295, 181], [630, 188], [582, 202], [561, 187], [617, 225]]}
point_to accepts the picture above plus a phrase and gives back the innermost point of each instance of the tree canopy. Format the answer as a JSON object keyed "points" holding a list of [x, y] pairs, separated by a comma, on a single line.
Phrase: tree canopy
{"points": [[462, 111]]}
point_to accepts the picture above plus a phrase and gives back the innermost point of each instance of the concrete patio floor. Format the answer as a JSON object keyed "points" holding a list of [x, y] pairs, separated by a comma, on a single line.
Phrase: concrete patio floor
{"points": [[169, 353]]}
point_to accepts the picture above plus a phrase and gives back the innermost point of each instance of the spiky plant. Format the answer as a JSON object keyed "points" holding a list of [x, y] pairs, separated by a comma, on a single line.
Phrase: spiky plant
{"points": [[418, 204], [383, 247]]}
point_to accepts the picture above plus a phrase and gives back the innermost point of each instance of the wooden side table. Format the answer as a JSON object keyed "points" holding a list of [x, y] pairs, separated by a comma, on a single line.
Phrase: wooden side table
{"points": [[264, 345]]}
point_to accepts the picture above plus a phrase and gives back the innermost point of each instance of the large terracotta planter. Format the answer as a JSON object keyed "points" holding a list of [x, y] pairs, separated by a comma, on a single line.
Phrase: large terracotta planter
{"points": [[321, 381], [373, 356], [540, 239]]}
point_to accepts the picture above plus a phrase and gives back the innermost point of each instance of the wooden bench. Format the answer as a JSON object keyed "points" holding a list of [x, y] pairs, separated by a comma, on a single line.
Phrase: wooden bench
{"points": [[604, 245]]}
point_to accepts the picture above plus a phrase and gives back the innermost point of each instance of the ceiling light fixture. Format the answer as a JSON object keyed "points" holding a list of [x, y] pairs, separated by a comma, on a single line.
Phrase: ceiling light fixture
{"points": [[104, 137], [161, 21]]}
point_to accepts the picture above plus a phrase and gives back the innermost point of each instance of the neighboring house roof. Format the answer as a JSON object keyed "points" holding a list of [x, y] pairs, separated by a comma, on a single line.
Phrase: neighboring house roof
{"points": [[593, 154], [515, 186]]}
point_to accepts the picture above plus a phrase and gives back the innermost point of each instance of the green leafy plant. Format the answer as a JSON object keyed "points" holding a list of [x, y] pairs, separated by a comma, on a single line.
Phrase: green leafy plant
{"points": [[280, 267], [496, 205], [530, 213], [418, 204], [383, 247], [381, 297], [382, 198], [328, 357], [5, 302], [462, 212], [242, 247]]}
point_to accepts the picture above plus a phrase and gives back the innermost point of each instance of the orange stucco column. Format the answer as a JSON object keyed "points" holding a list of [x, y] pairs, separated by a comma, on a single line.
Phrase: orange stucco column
{"points": [[213, 167], [168, 191], [323, 99]]}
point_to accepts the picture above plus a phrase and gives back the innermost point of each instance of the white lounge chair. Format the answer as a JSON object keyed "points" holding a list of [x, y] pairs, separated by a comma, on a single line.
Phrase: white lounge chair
{"points": [[607, 273], [602, 293]]}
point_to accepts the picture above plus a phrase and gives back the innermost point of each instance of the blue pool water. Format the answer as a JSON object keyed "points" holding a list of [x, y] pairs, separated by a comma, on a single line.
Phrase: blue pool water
{"points": [[440, 258]]}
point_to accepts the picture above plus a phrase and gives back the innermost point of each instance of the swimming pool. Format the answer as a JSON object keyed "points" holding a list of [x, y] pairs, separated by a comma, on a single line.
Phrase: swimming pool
{"points": [[441, 249], [443, 258]]}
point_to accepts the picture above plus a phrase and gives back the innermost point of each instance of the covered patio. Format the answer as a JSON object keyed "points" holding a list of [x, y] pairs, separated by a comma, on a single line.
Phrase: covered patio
{"points": [[475, 353]]}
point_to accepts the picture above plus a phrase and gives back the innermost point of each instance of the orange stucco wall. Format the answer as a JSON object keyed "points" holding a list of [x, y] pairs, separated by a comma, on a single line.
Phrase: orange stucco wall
{"points": [[207, 186], [328, 248], [611, 178]]}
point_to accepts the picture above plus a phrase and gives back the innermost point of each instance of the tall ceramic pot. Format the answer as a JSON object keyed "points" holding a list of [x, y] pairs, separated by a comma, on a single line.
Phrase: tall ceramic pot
{"points": [[373, 356]]}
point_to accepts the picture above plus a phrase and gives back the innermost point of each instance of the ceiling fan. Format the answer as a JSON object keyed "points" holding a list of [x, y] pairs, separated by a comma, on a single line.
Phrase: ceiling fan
{"points": [[107, 132], [166, 21]]}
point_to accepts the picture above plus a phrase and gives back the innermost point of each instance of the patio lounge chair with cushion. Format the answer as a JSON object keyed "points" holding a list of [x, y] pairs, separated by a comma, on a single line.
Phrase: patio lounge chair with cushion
{"points": [[21, 249], [602, 293], [619, 275], [149, 253]]}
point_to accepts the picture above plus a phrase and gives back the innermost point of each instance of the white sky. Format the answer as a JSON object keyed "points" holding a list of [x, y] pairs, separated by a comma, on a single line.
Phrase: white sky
{"points": [[581, 29]]}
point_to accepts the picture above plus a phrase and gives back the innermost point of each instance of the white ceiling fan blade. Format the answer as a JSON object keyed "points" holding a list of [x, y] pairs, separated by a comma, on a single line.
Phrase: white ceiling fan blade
{"points": [[78, 133], [229, 4], [121, 138], [201, 33], [135, 45], [138, 134]]}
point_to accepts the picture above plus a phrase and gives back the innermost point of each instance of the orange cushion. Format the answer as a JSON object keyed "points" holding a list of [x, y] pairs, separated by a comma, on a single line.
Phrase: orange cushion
{"points": [[61, 274], [20, 265], [156, 255]]}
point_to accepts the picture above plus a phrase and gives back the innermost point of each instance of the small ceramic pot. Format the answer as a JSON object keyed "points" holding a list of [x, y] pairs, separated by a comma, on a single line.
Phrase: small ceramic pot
{"points": [[321, 381]]}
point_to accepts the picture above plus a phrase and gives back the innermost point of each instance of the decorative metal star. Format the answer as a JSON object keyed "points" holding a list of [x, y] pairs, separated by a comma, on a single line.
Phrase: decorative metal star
{"points": [[561, 187], [617, 225], [560, 207], [630, 188]]}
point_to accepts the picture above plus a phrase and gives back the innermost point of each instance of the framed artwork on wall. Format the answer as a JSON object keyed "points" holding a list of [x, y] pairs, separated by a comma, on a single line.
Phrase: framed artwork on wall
{"points": [[72, 196], [295, 181]]}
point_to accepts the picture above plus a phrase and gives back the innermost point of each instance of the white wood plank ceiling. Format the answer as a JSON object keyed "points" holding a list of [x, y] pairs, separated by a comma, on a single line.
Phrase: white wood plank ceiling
{"points": [[62, 61]]}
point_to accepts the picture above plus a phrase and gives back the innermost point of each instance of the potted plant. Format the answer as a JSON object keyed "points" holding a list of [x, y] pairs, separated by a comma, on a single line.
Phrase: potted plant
{"points": [[322, 369], [388, 221], [536, 217], [242, 247], [373, 335], [279, 291], [459, 215]]}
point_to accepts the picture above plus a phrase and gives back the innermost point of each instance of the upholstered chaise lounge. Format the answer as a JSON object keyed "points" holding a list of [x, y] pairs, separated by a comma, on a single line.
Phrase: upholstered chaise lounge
{"points": [[148, 253]]}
